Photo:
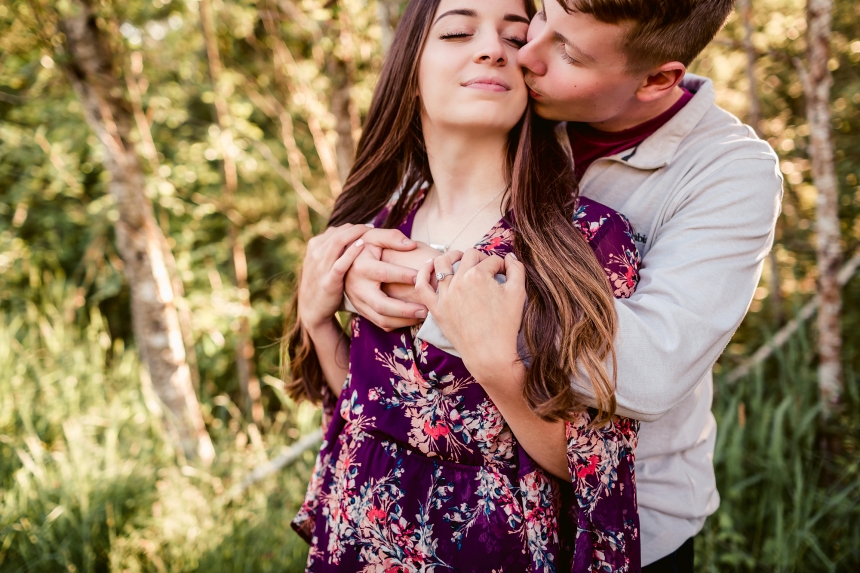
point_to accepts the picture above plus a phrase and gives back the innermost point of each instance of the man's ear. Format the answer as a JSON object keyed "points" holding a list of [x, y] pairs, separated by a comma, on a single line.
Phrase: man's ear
{"points": [[661, 81]]}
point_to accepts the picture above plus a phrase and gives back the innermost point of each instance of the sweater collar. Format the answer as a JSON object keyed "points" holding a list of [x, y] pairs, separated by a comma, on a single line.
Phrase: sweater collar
{"points": [[658, 149]]}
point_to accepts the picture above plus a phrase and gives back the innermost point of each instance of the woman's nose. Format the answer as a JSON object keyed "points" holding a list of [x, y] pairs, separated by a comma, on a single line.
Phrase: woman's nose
{"points": [[492, 51]]}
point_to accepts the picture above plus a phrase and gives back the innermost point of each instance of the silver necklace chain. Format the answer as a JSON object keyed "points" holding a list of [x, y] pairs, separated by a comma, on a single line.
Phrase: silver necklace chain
{"points": [[444, 248]]}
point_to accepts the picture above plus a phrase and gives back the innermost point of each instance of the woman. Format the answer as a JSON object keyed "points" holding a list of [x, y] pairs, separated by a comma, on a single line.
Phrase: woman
{"points": [[419, 468]]}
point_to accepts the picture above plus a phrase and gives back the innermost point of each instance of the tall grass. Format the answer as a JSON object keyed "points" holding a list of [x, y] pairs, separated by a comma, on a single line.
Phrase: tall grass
{"points": [[89, 481], [787, 504]]}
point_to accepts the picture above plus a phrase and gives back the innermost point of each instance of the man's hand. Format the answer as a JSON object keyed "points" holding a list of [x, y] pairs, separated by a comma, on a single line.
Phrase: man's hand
{"points": [[327, 259], [364, 280]]}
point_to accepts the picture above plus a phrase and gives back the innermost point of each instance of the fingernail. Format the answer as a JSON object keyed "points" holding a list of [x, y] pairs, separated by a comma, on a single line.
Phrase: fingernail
{"points": [[428, 261], [514, 256], [420, 314], [406, 241], [414, 279], [369, 225], [359, 242]]}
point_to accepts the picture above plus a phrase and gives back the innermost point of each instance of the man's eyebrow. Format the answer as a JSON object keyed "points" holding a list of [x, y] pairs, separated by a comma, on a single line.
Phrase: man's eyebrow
{"points": [[565, 41]]}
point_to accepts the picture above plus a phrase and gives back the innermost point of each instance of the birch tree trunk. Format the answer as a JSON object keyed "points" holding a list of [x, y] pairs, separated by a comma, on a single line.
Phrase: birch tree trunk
{"points": [[248, 380], [90, 65], [816, 82], [744, 9], [341, 104]]}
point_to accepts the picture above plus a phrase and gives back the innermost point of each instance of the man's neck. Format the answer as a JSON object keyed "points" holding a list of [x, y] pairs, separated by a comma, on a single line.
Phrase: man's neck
{"points": [[638, 113]]}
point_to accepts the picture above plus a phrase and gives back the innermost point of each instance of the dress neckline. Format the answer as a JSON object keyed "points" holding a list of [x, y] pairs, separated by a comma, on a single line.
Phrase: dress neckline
{"points": [[406, 226]]}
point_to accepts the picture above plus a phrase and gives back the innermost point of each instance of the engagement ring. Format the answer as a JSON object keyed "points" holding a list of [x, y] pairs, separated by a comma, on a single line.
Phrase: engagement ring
{"points": [[441, 276]]}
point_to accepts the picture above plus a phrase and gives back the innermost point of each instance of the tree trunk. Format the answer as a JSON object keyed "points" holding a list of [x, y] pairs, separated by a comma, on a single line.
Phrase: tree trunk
{"points": [[817, 81], [383, 13], [339, 67], [90, 65], [149, 151], [744, 9], [248, 380]]}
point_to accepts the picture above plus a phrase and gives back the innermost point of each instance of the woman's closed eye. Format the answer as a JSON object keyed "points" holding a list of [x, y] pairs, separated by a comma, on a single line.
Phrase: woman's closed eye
{"points": [[515, 41]]}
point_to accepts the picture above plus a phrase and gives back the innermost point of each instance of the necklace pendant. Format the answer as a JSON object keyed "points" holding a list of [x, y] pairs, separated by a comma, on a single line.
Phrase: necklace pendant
{"points": [[443, 248]]}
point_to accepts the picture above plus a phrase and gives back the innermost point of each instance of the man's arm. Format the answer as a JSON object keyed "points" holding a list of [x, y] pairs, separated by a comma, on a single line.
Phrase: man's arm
{"points": [[696, 284]]}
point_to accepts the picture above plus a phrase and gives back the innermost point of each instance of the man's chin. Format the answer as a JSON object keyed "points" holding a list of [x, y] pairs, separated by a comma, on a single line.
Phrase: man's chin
{"points": [[546, 111]]}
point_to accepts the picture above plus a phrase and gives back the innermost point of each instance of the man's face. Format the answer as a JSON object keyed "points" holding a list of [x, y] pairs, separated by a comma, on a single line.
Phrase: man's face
{"points": [[575, 68]]}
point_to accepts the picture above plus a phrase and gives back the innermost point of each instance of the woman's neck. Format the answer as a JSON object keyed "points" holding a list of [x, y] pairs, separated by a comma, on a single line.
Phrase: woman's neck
{"points": [[468, 169]]}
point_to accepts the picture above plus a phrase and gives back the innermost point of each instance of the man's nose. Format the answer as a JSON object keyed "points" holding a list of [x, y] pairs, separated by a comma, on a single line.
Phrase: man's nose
{"points": [[530, 57]]}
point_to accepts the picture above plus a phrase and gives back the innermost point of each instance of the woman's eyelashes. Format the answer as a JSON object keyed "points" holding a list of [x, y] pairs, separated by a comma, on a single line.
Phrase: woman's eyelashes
{"points": [[515, 41]]}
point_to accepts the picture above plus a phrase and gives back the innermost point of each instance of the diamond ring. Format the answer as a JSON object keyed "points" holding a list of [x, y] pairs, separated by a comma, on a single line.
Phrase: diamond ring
{"points": [[440, 276]]}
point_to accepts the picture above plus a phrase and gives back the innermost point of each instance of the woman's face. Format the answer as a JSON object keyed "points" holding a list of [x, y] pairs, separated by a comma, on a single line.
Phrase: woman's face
{"points": [[468, 76]]}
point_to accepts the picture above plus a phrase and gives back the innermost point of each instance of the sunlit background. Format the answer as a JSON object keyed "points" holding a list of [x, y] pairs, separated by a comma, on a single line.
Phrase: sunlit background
{"points": [[91, 478]]}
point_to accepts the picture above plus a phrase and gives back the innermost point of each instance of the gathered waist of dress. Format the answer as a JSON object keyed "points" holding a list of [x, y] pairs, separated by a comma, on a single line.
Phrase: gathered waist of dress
{"points": [[386, 441]]}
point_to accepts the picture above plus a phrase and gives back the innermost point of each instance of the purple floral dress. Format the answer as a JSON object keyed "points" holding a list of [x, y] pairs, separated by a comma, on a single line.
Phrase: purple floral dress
{"points": [[419, 471]]}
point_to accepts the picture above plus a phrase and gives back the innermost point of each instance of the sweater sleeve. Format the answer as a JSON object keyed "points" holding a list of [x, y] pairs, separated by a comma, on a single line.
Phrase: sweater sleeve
{"points": [[696, 284]]}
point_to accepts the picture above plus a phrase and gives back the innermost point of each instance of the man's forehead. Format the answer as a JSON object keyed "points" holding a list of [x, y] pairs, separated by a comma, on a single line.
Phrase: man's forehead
{"points": [[595, 39]]}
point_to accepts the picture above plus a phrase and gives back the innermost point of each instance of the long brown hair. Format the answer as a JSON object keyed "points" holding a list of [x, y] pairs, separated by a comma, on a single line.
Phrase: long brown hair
{"points": [[569, 322]]}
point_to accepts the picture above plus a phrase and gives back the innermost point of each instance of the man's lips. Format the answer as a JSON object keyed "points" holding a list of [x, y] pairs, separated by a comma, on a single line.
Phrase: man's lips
{"points": [[488, 84], [532, 93]]}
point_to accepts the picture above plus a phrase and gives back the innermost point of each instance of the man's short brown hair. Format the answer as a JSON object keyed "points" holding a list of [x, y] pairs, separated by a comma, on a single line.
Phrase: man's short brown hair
{"points": [[660, 31]]}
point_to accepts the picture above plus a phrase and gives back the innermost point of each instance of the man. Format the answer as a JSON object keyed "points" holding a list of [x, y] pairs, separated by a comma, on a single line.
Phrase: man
{"points": [[703, 194]]}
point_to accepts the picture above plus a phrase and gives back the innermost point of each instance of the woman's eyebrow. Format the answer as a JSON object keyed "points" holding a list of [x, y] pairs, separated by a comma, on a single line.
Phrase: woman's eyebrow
{"points": [[458, 12], [473, 14], [516, 18]]}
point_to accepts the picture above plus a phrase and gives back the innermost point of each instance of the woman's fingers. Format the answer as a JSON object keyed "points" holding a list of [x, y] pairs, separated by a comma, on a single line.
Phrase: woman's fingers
{"points": [[471, 257], [515, 272], [493, 265], [445, 265], [425, 291]]}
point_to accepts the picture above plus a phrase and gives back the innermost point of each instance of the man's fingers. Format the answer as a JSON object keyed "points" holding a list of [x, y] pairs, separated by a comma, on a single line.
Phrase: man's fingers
{"points": [[390, 239], [382, 272], [342, 264], [341, 239], [384, 305]]}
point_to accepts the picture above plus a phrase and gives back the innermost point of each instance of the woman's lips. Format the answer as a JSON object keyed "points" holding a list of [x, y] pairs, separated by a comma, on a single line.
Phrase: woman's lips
{"points": [[487, 84]]}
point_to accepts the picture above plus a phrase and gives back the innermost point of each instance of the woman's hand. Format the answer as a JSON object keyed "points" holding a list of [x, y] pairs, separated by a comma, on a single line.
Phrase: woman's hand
{"points": [[327, 259], [480, 317], [482, 320]]}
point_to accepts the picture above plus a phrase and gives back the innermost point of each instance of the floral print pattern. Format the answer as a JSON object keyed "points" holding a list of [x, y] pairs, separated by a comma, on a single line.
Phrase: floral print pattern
{"points": [[419, 471]]}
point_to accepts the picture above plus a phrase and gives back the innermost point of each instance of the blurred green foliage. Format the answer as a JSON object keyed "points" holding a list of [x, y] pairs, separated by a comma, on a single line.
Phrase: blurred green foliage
{"points": [[88, 479]]}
